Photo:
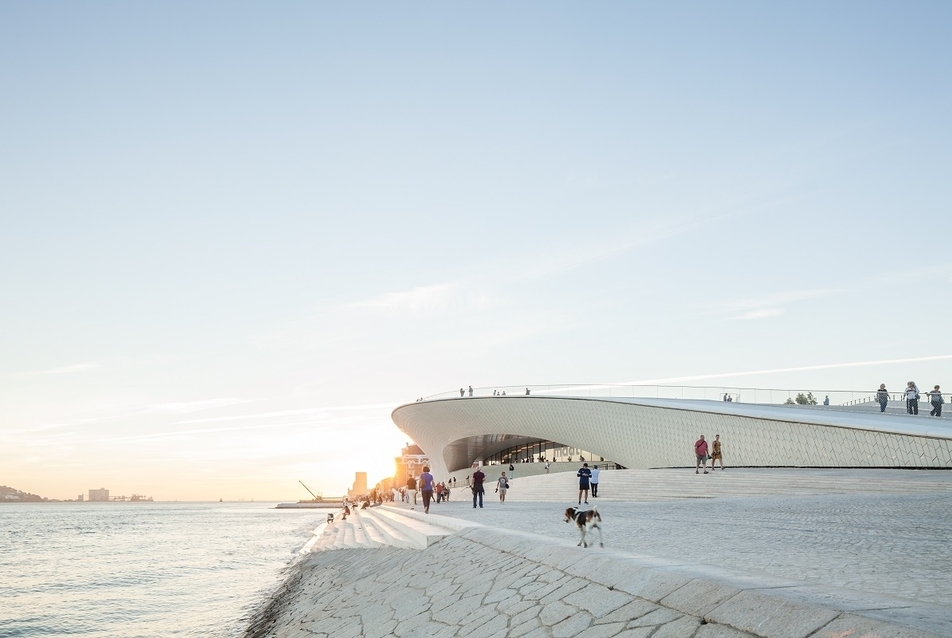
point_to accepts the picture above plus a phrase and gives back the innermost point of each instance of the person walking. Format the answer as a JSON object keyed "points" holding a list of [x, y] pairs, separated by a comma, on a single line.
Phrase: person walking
{"points": [[716, 454], [478, 478], [546, 467], [594, 481], [411, 489], [882, 395], [912, 398], [501, 486], [935, 398], [426, 488], [584, 475], [462, 392], [700, 453], [470, 390]]}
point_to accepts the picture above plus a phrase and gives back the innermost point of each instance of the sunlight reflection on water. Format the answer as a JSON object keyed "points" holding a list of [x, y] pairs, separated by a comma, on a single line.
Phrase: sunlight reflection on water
{"points": [[110, 570]]}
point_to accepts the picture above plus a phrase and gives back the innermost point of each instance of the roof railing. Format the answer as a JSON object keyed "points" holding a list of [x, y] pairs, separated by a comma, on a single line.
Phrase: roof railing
{"points": [[738, 394]]}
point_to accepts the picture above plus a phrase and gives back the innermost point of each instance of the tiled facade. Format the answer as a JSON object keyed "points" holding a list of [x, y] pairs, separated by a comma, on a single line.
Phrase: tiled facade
{"points": [[651, 433]]}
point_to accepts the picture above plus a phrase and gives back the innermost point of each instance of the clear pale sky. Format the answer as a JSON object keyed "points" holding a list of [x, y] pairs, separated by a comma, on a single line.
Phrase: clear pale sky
{"points": [[236, 235]]}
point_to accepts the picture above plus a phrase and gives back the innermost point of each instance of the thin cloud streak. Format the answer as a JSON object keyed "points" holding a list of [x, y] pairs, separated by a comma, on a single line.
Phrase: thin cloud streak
{"points": [[282, 413]]}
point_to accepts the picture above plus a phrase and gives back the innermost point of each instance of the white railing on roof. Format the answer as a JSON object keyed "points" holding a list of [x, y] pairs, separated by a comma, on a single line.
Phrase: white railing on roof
{"points": [[708, 393]]}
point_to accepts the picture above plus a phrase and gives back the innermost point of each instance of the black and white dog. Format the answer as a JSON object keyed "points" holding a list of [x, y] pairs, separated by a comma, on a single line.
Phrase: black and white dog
{"points": [[587, 520]]}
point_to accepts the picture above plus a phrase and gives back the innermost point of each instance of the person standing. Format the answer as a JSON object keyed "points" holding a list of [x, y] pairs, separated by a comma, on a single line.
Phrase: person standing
{"points": [[912, 398], [826, 401], [594, 481], [462, 392], [700, 453], [584, 476], [935, 398], [512, 470], [501, 486], [426, 488], [411, 489], [478, 478], [546, 467], [716, 454], [470, 390], [882, 395]]}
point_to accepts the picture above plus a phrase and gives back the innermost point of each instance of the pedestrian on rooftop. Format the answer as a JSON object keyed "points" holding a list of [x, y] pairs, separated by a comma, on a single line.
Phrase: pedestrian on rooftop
{"points": [[912, 398], [935, 398], [882, 395]]}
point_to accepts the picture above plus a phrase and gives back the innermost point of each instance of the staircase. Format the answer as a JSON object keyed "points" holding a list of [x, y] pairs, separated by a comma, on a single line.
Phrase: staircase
{"points": [[383, 526], [683, 483]]}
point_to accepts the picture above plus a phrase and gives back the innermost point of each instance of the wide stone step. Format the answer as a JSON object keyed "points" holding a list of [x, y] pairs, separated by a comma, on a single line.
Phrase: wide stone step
{"points": [[390, 534], [422, 534]]}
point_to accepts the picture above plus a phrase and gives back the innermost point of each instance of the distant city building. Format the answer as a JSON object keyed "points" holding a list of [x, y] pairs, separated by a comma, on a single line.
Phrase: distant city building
{"points": [[360, 485], [80, 498], [99, 496], [410, 462]]}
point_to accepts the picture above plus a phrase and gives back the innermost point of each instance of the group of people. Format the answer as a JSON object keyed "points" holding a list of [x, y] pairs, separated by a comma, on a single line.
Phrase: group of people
{"points": [[428, 489], [587, 480], [703, 454], [912, 396]]}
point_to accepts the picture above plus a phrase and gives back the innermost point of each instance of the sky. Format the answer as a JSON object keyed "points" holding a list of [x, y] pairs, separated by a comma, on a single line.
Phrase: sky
{"points": [[236, 235]]}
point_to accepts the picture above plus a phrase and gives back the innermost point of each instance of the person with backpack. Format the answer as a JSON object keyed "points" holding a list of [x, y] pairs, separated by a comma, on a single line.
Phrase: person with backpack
{"points": [[426, 488]]}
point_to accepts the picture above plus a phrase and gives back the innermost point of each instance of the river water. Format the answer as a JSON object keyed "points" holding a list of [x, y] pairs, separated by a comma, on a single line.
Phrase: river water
{"points": [[111, 570]]}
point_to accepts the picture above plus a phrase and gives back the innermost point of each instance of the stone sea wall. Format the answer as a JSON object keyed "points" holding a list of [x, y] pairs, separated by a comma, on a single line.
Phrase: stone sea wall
{"points": [[484, 582]]}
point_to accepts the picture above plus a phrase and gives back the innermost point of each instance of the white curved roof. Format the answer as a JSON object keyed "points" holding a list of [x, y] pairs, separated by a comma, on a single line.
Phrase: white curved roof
{"points": [[646, 433]]}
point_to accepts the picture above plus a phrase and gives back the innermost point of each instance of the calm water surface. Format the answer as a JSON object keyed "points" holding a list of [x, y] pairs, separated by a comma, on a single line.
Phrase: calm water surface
{"points": [[110, 570]]}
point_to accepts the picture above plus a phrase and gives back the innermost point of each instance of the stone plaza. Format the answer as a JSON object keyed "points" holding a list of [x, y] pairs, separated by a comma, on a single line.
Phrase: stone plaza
{"points": [[785, 553]]}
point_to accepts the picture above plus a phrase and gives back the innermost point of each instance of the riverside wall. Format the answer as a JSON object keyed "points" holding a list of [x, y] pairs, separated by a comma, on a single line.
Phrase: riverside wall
{"points": [[484, 582]]}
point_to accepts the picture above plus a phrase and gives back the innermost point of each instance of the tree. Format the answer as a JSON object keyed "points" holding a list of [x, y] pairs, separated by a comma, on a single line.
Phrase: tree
{"points": [[807, 399], [789, 401]]}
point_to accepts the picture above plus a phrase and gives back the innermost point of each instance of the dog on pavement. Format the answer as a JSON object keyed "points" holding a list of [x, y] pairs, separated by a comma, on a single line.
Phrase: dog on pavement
{"points": [[586, 520]]}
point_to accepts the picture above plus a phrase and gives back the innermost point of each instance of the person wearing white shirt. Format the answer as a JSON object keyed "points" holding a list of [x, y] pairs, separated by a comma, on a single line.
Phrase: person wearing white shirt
{"points": [[594, 481]]}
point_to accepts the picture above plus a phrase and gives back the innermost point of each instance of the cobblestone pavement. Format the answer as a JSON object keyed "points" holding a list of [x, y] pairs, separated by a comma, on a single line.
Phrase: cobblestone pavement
{"points": [[462, 588], [894, 544]]}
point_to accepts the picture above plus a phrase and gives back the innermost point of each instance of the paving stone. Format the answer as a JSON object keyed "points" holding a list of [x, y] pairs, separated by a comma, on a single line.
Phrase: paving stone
{"points": [[639, 632], [379, 630], [698, 597], [528, 626], [407, 626], [452, 615], [683, 626], [556, 612], [771, 616], [713, 630], [560, 590], [659, 616], [514, 605], [630, 611], [495, 625], [652, 585], [572, 626], [603, 631], [525, 615], [597, 600], [852, 626]]}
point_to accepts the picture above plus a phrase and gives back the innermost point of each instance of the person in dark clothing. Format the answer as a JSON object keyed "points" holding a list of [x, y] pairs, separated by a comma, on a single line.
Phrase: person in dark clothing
{"points": [[426, 488], [478, 478], [584, 475]]}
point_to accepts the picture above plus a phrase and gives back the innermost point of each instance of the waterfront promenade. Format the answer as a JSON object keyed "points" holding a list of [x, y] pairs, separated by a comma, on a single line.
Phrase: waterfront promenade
{"points": [[745, 552]]}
